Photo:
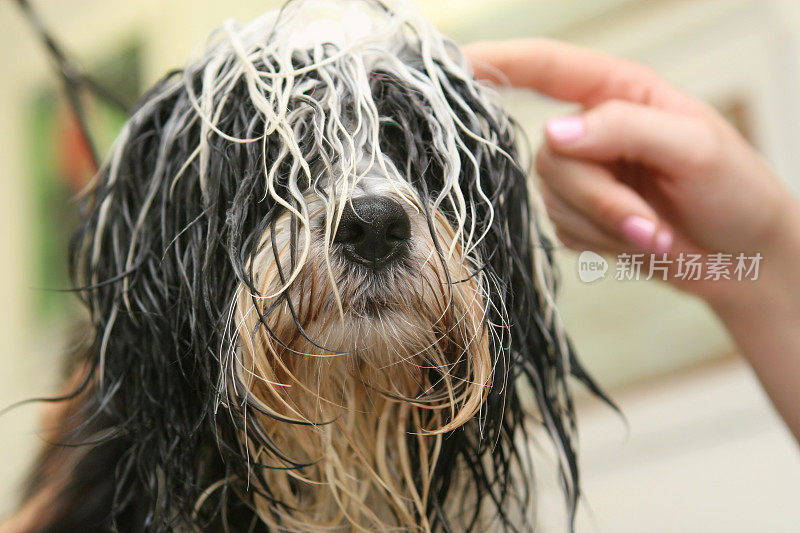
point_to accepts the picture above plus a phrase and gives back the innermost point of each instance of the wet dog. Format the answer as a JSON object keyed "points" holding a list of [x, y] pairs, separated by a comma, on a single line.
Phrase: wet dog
{"points": [[318, 296]]}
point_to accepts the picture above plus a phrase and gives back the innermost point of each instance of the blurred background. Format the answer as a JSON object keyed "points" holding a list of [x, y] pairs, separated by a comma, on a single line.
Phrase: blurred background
{"points": [[701, 448]]}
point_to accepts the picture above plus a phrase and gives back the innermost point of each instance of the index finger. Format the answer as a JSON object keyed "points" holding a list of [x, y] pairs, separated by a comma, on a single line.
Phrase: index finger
{"points": [[573, 74]]}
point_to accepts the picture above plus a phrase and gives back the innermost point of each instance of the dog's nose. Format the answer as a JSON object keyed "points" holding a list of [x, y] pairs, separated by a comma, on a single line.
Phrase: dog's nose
{"points": [[373, 230]]}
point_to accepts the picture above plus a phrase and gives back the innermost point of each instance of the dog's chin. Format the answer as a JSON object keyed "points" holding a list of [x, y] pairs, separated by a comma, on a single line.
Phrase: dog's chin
{"points": [[379, 328], [370, 310], [374, 302], [372, 298]]}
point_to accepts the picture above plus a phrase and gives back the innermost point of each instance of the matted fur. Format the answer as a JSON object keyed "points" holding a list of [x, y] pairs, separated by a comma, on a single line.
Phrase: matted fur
{"points": [[243, 374]]}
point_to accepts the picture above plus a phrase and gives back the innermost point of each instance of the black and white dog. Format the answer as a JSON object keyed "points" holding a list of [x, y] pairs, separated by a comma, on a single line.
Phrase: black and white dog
{"points": [[316, 291]]}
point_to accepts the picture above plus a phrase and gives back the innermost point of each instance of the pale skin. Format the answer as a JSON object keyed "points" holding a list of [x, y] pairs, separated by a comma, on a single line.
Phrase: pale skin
{"points": [[645, 167]]}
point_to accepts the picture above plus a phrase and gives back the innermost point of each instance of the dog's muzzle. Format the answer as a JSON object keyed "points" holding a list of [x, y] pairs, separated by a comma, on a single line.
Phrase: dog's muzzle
{"points": [[374, 231]]}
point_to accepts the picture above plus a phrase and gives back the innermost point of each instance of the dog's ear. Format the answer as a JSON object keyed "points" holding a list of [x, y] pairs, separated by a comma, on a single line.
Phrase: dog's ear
{"points": [[154, 259], [522, 257], [528, 339]]}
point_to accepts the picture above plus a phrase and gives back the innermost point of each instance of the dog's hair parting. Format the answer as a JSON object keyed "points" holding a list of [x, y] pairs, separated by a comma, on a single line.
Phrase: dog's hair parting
{"points": [[243, 374]]}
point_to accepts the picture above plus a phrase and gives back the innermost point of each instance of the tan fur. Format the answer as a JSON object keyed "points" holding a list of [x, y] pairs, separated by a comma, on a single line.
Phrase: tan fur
{"points": [[422, 368]]}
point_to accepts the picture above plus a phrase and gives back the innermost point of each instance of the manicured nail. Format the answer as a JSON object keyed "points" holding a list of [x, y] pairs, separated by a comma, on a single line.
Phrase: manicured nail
{"points": [[663, 242], [639, 231], [566, 129]]}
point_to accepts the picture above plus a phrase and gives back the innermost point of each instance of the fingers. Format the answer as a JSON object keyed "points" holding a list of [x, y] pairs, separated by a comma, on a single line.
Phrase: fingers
{"points": [[572, 73], [618, 130], [575, 230], [588, 204]]}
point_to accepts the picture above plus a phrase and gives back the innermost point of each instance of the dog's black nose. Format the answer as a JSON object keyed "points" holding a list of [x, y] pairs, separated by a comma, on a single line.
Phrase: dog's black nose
{"points": [[373, 231]]}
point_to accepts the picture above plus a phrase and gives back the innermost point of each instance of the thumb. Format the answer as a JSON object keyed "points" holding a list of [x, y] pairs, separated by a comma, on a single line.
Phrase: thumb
{"points": [[619, 130]]}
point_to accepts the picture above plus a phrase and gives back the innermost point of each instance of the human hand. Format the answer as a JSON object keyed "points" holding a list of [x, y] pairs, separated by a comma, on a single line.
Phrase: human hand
{"points": [[645, 167]]}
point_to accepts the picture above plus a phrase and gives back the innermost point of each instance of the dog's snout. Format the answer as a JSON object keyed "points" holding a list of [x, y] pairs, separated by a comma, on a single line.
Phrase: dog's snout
{"points": [[373, 231]]}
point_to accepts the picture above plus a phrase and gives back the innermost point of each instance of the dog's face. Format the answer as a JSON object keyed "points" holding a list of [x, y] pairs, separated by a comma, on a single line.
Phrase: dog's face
{"points": [[315, 282]]}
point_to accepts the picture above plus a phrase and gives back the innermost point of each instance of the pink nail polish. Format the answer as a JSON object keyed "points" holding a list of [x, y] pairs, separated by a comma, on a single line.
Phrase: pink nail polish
{"points": [[566, 129], [663, 242], [639, 231]]}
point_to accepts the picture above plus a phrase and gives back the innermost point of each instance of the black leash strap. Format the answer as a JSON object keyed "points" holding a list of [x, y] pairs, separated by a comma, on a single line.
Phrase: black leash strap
{"points": [[73, 78]]}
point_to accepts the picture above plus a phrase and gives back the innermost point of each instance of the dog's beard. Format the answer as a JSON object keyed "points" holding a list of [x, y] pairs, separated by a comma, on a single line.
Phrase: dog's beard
{"points": [[357, 373]]}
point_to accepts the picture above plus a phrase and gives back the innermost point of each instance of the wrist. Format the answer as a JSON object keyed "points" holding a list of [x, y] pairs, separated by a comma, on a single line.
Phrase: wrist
{"points": [[777, 287]]}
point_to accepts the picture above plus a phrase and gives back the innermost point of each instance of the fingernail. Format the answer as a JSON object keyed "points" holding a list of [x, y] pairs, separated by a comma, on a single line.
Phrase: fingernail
{"points": [[566, 129], [639, 231], [663, 242]]}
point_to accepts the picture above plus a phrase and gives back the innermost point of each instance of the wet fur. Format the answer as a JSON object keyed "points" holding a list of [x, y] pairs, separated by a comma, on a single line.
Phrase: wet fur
{"points": [[242, 376]]}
